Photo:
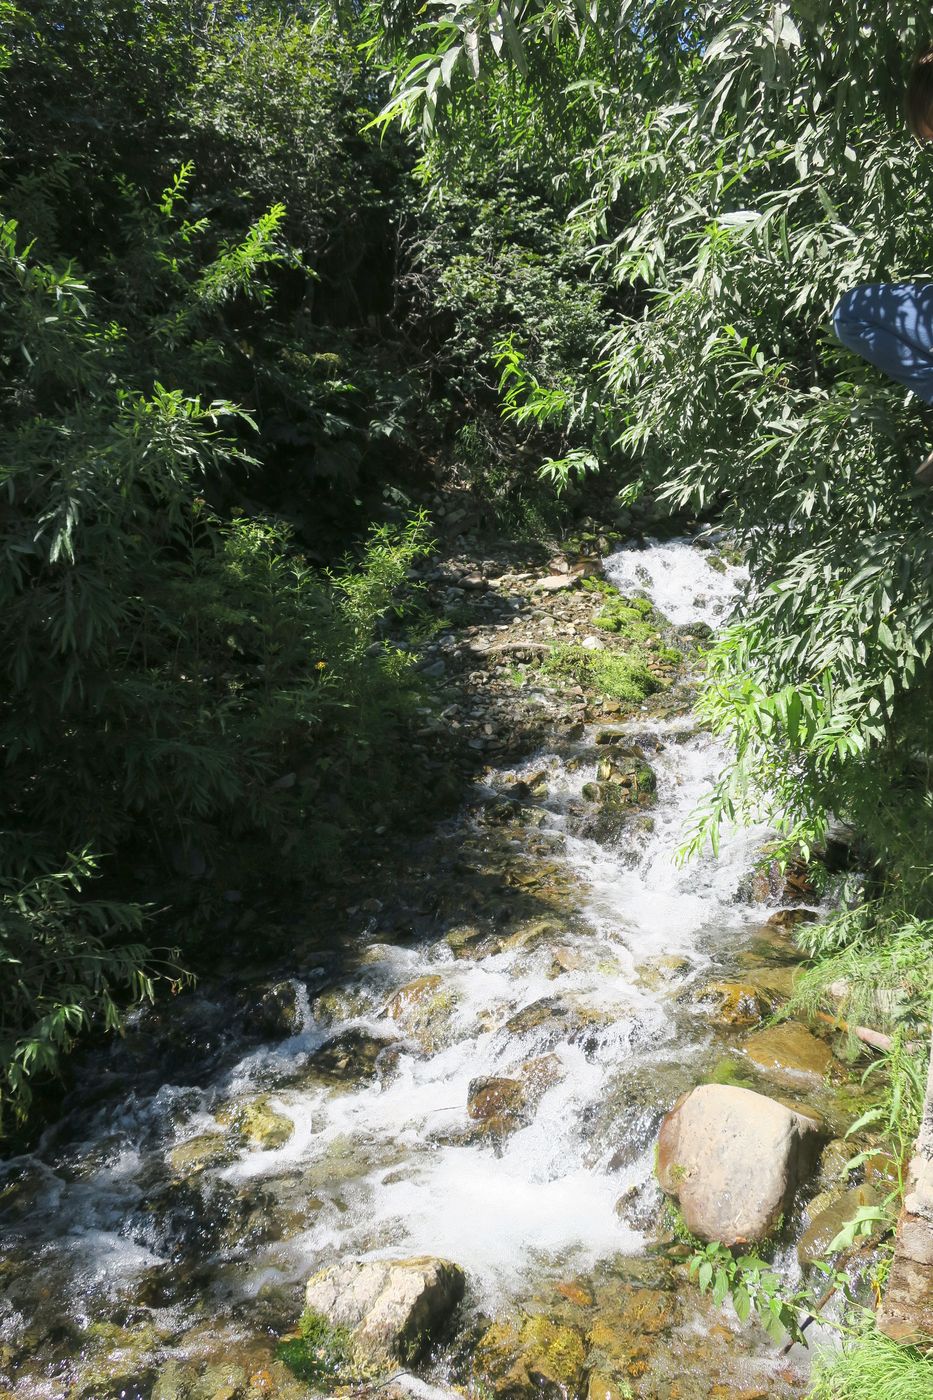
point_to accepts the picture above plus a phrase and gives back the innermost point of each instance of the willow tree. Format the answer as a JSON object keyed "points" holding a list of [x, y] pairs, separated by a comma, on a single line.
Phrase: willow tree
{"points": [[733, 167]]}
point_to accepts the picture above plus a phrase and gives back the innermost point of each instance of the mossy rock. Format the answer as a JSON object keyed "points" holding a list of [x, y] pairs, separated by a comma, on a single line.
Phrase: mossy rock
{"points": [[736, 1003], [532, 1356], [423, 1008], [200, 1153], [258, 1122]]}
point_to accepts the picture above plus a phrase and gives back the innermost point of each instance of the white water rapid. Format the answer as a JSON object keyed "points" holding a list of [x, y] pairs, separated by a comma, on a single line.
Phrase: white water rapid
{"points": [[390, 1163]]}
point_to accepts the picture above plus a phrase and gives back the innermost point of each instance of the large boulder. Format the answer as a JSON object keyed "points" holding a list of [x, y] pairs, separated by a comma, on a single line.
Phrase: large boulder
{"points": [[732, 1159], [392, 1307]]}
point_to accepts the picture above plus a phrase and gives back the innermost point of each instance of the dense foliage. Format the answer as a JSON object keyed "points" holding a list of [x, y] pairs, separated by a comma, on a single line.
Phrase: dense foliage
{"points": [[236, 338], [260, 279], [732, 169]]}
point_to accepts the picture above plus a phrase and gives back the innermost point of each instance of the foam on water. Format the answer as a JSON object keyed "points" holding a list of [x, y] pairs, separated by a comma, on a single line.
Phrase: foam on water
{"points": [[679, 580], [547, 1193], [389, 1160]]}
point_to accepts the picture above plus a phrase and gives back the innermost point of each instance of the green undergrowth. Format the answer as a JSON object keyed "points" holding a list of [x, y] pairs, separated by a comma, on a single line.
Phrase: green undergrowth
{"points": [[632, 618], [879, 957], [321, 1354], [617, 675], [871, 1367]]}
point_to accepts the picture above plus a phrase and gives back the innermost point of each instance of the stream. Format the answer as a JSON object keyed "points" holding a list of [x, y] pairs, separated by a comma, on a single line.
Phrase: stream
{"points": [[217, 1156]]}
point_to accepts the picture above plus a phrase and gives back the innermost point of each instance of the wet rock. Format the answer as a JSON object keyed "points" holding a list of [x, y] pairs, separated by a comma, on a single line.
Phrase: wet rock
{"points": [[736, 1003], [532, 935], [548, 1013], [499, 1104], [825, 1224], [789, 1052], [576, 1293], [615, 805], [423, 1009], [658, 973], [200, 1153], [393, 1307], [258, 1122], [564, 960], [790, 918], [603, 1387], [833, 1159], [628, 772], [351, 1055], [732, 1159], [550, 1021], [173, 1382], [643, 1312], [638, 1206], [339, 1004], [277, 1012], [224, 1381], [470, 941], [540, 1074], [774, 982], [532, 1356]]}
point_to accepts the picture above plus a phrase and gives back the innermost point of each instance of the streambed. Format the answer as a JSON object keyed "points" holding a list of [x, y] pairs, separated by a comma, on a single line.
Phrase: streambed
{"points": [[226, 1150]]}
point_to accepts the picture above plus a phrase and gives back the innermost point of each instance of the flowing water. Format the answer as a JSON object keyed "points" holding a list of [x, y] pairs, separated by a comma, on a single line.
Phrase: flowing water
{"points": [[104, 1229]]}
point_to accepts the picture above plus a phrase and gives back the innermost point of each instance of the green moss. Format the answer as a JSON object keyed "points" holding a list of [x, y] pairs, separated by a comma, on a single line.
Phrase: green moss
{"points": [[321, 1354], [672, 1218], [632, 618], [729, 1071], [618, 675], [600, 585]]}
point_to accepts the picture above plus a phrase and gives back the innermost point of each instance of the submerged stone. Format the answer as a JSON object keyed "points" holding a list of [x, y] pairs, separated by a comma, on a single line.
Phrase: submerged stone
{"points": [[736, 1003], [532, 1356], [789, 1052]]}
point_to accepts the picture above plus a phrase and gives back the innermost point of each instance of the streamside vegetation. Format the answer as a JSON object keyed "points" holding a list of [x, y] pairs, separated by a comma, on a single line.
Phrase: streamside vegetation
{"points": [[234, 344], [731, 169], [265, 272]]}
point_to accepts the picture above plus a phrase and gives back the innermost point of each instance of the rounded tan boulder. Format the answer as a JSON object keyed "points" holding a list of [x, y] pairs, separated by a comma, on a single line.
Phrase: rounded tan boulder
{"points": [[732, 1159]]}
